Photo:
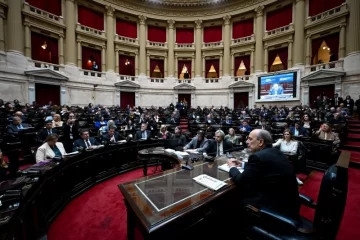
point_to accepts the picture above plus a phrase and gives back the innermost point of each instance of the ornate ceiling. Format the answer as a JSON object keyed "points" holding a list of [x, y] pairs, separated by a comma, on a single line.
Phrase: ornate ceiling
{"points": [[186, 3]]}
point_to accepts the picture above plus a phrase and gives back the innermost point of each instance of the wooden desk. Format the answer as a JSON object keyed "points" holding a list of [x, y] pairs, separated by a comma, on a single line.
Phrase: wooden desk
{"points": [[173, 203]]}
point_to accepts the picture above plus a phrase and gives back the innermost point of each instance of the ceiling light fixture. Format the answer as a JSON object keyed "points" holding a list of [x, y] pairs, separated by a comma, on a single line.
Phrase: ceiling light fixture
{"points": [[44, 46]]}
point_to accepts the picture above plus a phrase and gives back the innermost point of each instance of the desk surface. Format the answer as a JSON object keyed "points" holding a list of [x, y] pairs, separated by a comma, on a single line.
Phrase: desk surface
{"points": [[158, 199]]}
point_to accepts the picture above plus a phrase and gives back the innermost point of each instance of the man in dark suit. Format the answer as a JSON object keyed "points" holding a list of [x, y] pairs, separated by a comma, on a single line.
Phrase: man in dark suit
{"points": [[143, 134], [336, 101], [85, 141], [112, 136], [71, 132], [298, 130], [219, 146], [44, 132], [268, 179], [198, 143], [264, 126], [16, 126]]}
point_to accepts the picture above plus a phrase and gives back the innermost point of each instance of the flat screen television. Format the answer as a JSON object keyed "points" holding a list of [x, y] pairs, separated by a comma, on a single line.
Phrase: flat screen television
{"points": [[277, 87]]}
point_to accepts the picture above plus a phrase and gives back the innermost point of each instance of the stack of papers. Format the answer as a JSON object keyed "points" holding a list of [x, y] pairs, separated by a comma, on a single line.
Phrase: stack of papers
{"points": [[70, 154], [226, 168], [209, 182]]}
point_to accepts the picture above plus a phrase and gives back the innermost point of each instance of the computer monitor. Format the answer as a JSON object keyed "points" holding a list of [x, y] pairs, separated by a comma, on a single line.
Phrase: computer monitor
{"points": [[171, 143]]}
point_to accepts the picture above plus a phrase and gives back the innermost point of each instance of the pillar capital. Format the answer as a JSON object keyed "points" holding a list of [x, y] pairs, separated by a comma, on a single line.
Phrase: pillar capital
{"points": [[61, 35], [252, 49], [296, 1], [198, 23], [259, 11], [73, 1], [290, 41], [227, 19], [78, 40], [103, 47], [27, 24], [2, 15], [142, 19], [171, 23], [342, 24], [308, 36], [266, 47], [110, 10]]}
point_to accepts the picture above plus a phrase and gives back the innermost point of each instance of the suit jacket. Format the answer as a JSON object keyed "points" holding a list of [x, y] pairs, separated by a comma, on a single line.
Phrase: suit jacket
{"points": [[81, 143], [267, 128], [43, 133], [269, 181], [138, 135], [75, 131], [193, 143], [105, 137], [340, 100], [211, 150], [12, 129], [44, 152], [302, 131]]}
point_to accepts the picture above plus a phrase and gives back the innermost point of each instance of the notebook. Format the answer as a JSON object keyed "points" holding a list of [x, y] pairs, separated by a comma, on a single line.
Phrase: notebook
{"points": [[209, 182], [226, 168]]}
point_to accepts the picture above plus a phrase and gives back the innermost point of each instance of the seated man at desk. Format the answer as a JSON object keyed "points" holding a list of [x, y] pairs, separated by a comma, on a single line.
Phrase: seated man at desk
{"points": [[143, 134], [220, 146], [112, 136], [85, 141], [268, 179], [50, 149], [198, 143], [16, 126], [47, 131]]}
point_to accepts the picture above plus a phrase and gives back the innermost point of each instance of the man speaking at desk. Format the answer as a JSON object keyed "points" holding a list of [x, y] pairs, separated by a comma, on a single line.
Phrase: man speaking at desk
{"points": [[198, 143], [268, 179], [219, 146], [85, 141]]}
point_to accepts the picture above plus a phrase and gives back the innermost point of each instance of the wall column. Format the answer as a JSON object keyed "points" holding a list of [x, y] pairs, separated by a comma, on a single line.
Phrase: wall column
{"points": [[110, 46], [192, 67], [198, 46], [176, 67], [232, 64], [252, 62], [171, 43], [15, 31], [259, 33], [103, 58], [136, 63], [227, 40], [353, 37], [165, 67], [61, 49], [27, 40], [147, 65], [221, 72], [79, 54], [117, 60], [70, 22], [203, 67], [342, 41], [2, 33], [266, 58], [142, 42], [299, 32], [290, 50], [308, 50]]}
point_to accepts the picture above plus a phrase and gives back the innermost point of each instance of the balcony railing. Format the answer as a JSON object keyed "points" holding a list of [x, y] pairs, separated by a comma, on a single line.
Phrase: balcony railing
{"points": [[336, 65], [184, 81], [126, 77], [33, 10], [38, 64], [329, 13], [156, 44], [211, 80], [242, 78], [157, 80], [277, 31], [184, 46], [213, 44], [127, 39], [89, 73], [89, 30], [243, 40]]}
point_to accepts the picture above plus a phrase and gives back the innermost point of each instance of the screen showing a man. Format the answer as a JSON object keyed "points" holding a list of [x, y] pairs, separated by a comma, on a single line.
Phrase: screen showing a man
{"points": [[276, 89]]}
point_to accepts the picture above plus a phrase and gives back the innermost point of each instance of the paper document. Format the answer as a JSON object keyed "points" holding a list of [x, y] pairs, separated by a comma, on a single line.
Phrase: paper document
{"points": [[226, 168], [72, 153], [209, 182]]}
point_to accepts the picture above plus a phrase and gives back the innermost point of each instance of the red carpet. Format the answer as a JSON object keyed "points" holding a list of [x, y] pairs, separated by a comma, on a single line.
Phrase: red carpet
{"points": [[100, 213]]}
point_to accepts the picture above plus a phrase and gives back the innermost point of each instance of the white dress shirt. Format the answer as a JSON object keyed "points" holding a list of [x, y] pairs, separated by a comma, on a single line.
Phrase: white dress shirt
{"points": [[287, 147]]}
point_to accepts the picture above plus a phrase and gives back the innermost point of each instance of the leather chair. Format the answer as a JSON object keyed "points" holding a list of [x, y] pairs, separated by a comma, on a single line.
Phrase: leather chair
{"points": [[269, 225]]}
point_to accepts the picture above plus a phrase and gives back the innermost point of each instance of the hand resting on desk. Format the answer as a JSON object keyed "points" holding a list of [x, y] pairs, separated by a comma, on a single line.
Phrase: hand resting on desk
{"points": [[232, 162]]}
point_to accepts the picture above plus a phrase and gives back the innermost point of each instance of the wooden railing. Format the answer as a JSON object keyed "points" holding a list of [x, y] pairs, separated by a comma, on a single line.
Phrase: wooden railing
{"points": [[327, 14], [243, 40], [280, 30], [90, 73], [39, 64], [39, 12], [126, 77], [336, 65], [184, 46], [213, 44], [157, 80], [156, 44], [211, 80], [242, 78], [89, 30], [127, 39]]}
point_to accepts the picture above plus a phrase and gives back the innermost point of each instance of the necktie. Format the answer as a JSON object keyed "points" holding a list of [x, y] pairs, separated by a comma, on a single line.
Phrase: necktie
{"points": [[49, 132], [218, 150], [89, 144]]}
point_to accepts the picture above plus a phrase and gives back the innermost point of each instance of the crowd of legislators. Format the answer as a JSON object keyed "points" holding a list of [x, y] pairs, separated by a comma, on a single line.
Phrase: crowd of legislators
{"points": [[87, 127]]}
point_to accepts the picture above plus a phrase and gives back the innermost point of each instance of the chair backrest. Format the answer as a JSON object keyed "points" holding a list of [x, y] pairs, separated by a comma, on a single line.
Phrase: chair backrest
{"points": [[332, 198]]}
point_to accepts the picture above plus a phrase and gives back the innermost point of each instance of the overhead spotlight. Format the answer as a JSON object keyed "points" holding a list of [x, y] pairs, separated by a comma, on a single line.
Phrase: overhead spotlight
{"points": [[44, 46], [127, 62], [89, 61]]}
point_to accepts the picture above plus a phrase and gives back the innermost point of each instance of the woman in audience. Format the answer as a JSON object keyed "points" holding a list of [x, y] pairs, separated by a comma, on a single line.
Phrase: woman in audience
{"points": [[325, 133], [289, 147], [57, 121], [306, 124], [164, 133], [179, 136], [232, 137], [50, 149]]}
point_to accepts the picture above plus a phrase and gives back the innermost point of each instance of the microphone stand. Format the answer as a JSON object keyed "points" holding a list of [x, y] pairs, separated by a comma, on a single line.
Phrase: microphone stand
{"points": [[187, 166]]}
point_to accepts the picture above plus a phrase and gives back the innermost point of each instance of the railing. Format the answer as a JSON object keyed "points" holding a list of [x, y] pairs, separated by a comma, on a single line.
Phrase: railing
{"points": [[280, 30], [184, 46], [243, 40], [33, 10], [156, 44], [329, 13], [38, 64], [127, 39], [242, 78], [213, 44], [157, 80], [126, 77], [336, 65], [211, 80], [90, 73], [184, 81], [89, 30]]}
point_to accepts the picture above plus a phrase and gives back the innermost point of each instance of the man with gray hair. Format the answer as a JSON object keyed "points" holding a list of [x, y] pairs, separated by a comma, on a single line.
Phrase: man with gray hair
{"points": [[268, 179], [219, 146]]}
